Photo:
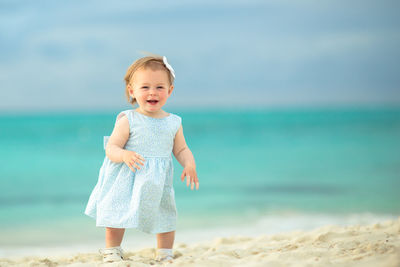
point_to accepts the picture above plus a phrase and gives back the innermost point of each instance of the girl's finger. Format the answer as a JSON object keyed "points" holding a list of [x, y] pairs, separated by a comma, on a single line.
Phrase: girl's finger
{"points": [[187, 181], [139, 159], [142, 158], [193, 182], [136, 166], [183, 176], [130, 167], [141, 163]]}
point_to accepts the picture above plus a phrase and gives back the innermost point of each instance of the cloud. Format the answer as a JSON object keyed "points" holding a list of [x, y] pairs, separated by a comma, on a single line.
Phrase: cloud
{"points": [[66, 55]]}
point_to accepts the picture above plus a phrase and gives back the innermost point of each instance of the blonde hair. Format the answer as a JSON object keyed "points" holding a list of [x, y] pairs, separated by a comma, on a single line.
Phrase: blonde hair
{"points": [[154, 62]]}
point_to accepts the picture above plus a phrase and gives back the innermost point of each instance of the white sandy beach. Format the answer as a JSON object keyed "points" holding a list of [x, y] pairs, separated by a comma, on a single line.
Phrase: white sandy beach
{"points": [[369, 245]]}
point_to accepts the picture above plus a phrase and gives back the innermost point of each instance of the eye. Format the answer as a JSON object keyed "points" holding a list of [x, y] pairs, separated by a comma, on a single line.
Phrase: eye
{"points": [[160, 87], [145, 87]]}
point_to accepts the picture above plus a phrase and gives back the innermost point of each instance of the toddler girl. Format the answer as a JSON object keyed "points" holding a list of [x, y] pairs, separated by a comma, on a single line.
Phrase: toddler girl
{"points": [[135, 184]]}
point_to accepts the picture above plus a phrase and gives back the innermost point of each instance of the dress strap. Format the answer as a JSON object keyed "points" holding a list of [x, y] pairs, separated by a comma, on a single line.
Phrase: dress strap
{"points": [[129, 114], [105, 141], [177, 124], [121, 114]]}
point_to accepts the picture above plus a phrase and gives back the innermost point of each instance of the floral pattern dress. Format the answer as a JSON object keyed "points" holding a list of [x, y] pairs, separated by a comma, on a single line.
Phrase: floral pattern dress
{"points": [[144, 199]]}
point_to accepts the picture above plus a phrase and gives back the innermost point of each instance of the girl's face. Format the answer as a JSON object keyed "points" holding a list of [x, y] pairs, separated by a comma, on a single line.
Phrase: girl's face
{"points": [[150, 85]]}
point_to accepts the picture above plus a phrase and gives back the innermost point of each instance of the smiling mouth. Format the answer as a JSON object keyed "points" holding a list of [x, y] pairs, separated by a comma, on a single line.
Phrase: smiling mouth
{"points": [[152, 101]]}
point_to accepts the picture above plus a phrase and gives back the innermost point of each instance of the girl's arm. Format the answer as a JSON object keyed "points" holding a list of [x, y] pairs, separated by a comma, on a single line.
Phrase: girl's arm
{"points": [[117, 140], [181, 151], [185, 157]]}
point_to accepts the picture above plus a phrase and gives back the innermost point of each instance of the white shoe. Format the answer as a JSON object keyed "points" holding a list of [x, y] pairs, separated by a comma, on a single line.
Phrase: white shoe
{"points": [[164, 259], [112, 254], [164, 255]]}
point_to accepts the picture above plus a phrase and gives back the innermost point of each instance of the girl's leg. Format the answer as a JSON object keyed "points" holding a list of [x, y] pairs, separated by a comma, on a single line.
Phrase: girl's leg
{"points": [[165, 240], [114, 236]]}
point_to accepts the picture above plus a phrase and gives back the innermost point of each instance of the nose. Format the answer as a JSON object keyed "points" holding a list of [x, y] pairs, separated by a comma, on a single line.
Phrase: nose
{"points": [[152, 91]]}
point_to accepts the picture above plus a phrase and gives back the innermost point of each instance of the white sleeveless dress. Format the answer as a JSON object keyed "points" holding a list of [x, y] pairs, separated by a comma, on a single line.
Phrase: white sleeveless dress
{"points": [[144, 199]]}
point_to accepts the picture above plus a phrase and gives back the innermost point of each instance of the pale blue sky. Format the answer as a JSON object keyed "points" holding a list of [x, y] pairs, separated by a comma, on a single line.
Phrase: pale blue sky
{"points": [[73, 55]]}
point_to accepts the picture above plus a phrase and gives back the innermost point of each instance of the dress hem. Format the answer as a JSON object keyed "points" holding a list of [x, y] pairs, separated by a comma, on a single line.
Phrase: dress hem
{"points": [[129, 226]]}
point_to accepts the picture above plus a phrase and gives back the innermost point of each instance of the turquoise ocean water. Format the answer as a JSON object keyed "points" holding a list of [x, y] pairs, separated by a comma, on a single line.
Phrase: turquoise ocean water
{"points": [[260, 172]]}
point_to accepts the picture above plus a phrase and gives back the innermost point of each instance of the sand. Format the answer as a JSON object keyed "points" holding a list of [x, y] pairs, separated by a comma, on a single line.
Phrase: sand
{"points": [[331, 245]]}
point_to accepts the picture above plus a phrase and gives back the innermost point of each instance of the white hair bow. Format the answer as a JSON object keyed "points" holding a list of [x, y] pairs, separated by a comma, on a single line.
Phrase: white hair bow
{"points": [[169, 66]]}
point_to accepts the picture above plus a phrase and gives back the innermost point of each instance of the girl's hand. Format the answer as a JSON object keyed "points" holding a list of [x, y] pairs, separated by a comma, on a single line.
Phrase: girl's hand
{"points": [[131, 158], [191, 174]]}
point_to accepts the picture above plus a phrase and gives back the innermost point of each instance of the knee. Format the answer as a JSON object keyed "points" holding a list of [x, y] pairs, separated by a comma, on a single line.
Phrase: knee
{"points": [[166, 235], [114, 231]]}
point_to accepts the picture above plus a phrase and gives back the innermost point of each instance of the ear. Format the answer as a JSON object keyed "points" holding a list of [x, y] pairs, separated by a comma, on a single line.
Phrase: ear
{"points": [[171, 88], [130, 89]]}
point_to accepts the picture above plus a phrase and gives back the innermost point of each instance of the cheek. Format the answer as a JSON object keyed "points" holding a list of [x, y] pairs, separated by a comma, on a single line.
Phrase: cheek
{"points": [[164, 93]]}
